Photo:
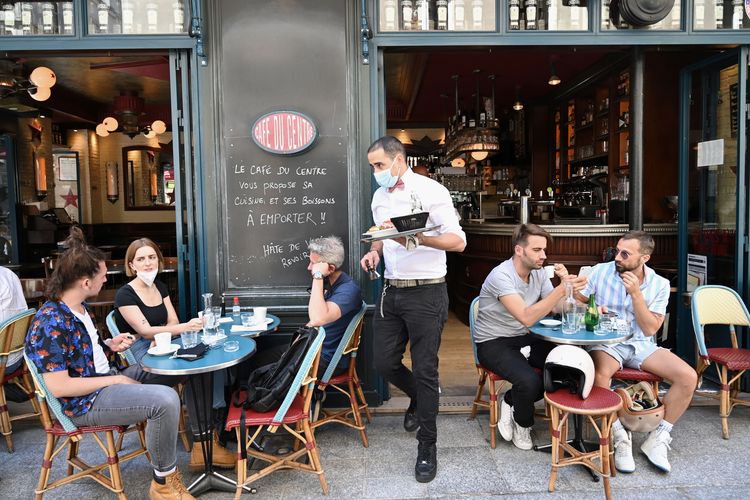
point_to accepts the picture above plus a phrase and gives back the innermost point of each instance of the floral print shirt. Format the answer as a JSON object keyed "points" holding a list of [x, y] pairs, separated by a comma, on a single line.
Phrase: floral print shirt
{"points": [[57, 341]]}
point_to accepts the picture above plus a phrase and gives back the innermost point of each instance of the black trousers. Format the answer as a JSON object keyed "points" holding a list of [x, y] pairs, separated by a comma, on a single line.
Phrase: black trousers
{"points": [[503, 356], [415, 315]]}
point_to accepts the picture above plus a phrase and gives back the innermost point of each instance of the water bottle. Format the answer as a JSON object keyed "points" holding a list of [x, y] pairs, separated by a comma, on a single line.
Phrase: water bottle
{"points": [[236, 308], [569, 311]]}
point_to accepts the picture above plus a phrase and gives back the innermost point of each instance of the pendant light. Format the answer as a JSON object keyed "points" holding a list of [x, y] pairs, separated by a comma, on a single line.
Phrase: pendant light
{"points": [[518, 104], [553, 78]]}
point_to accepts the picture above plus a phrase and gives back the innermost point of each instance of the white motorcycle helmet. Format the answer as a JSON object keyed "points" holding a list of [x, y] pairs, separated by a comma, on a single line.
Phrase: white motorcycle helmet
{"points": [[569, 367]]}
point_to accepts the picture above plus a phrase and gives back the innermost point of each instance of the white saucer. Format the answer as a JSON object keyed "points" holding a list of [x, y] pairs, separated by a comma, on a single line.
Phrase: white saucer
{"points": [[550, 322], [258, 324], [225, 320], [172, 348]]}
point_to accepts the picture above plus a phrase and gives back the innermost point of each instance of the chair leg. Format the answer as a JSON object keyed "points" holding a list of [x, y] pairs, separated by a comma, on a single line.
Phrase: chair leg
{"points": [[49, 448], [5, 425], [604, 445], [314, 455], [361, 394], [356, 414], [72, 453], [724, 402], [114, 466], [554, 427], [494, 410], [478, 395]]}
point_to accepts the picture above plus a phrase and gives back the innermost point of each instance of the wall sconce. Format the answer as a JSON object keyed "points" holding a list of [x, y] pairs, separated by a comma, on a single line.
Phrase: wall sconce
{"points": [[154, 186], [113, 182], [40, 176]]}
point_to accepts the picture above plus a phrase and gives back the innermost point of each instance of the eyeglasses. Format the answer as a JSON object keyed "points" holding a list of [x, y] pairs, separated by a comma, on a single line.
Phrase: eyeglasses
{"points": [[624, 253]]}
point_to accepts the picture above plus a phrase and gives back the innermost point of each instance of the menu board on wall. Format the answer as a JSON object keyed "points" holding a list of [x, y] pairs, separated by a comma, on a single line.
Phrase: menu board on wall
{"points": [[274, 204]]}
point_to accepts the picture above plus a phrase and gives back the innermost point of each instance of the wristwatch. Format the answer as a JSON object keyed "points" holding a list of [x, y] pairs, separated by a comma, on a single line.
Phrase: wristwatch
{"points": [[317, 275]]}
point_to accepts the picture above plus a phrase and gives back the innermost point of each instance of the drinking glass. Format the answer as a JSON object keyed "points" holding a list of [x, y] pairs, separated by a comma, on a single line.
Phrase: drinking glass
{"points": [[189, 339]]}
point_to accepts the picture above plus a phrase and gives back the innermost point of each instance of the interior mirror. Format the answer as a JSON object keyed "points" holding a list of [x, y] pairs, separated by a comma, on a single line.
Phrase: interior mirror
{"points": [[149, 178]]}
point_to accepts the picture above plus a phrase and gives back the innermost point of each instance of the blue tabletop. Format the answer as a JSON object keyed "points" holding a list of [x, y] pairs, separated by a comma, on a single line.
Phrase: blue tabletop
{"points": [[226, 326], [581, 337], [215, 359]]}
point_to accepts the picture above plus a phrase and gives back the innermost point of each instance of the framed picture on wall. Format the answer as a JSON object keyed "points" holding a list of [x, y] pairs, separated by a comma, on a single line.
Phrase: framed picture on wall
{"points": [[67, 167]]}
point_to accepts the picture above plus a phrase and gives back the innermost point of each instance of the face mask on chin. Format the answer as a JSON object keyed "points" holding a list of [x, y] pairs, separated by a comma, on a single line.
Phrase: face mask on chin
{"points": [[384, 178], [147, 277]]}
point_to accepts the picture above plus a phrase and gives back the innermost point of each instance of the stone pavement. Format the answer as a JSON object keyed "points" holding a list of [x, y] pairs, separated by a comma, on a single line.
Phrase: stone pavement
{"points": [[703, 465]]}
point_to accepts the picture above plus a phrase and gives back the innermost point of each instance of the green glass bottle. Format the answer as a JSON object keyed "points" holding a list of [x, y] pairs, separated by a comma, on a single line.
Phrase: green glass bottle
{"points": [[591, 319]]}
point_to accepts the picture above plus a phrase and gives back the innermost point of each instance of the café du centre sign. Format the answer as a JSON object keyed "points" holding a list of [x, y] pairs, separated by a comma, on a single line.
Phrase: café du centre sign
{"points": [[284, 132]]}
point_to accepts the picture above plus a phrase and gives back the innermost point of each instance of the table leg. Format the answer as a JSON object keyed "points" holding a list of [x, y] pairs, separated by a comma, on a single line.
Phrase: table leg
{"points": [[209, 479]]}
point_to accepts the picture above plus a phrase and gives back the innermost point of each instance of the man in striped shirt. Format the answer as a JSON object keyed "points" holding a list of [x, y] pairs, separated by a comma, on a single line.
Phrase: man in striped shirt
{"points": [[637, 294]]}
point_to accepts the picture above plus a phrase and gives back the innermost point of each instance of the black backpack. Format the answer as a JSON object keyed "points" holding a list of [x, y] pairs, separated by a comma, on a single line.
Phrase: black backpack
{"points": [[267, 385]]}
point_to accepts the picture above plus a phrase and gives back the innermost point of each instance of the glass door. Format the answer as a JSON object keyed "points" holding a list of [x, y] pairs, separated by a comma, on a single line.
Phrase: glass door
{"points": [[713, 203], [8, 200]]}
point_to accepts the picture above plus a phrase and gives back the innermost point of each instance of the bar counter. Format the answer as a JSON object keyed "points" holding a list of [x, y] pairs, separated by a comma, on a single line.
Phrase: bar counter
{"points": [[488, 244]]}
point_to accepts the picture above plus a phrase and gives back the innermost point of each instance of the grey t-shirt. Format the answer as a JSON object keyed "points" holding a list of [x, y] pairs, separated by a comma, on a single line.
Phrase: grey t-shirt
{"points": [[494, 320]]}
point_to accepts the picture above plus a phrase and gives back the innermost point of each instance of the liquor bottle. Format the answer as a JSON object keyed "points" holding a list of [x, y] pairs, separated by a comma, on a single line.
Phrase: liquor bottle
{"points": [[460, 14], [48, 18], [591, 318], [719, 11], [389, 15], [236, 308], [407, 12], [26, 12], [127, 16], [9, 19], [442, 14], [102, 15], [152, 17], [178, 15], [477, 6], [514, 13], [531, 14], [67, 9]]}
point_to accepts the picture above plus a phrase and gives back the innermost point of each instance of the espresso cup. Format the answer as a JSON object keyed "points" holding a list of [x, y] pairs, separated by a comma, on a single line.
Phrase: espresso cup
{"points": [[549, 271], [163, 341], [259, 314]]}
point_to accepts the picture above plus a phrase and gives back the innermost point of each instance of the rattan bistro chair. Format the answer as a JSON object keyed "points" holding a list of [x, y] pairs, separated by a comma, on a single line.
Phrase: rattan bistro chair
{"points": [[635, 375], [128, 357], [293, 415], [12, 337], [63, 428], [719, 305], [349, 345]]}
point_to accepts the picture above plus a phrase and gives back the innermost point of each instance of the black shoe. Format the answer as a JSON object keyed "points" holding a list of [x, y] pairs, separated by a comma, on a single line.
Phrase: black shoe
{"points": [[411, 422], [426, 467]]}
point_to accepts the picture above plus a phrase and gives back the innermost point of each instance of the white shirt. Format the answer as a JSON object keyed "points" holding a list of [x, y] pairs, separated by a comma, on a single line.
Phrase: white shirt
{"points": [[100, 359], [11, 302], [424, 262]]}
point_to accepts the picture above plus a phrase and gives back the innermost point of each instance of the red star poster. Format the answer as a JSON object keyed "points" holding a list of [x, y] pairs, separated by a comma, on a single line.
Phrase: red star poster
{"points": [[70, 198]]}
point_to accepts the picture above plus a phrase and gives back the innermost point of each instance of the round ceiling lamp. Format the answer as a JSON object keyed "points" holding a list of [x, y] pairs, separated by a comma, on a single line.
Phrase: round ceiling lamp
{"points": [[40, 93], [458, 162], [110, 123], [159, 127], [43, 77], [479, 155], [101, 130], [149, 134]]}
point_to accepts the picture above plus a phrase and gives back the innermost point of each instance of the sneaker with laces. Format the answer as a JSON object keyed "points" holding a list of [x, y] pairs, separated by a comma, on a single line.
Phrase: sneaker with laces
{"points": [[426, 466], [505, 423], [655, 448], [522, 437], [623, 445]]}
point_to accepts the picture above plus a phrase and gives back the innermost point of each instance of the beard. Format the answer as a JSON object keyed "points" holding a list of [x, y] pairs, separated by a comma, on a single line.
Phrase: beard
{"points": [[621, 268]]}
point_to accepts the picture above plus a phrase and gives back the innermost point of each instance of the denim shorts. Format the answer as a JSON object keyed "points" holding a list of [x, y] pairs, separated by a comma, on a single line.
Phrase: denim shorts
{"points": [[629, 354]]}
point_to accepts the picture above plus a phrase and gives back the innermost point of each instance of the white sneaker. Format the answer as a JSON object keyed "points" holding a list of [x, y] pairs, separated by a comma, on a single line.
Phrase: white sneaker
{"points": [[505, 423], [655, 448], [623, 446], [522, 437]]}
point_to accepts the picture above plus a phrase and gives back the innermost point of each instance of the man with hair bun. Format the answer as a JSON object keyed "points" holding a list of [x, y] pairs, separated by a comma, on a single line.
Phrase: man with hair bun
{"points": [[65, 346]]}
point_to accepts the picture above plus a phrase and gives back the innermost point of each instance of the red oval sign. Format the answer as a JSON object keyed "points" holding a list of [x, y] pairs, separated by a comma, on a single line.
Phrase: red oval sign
{"points": [[284, 132]]}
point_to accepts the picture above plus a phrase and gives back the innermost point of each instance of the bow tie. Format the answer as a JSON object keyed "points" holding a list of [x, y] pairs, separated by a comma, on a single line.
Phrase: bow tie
{"points": [[398, 185]]}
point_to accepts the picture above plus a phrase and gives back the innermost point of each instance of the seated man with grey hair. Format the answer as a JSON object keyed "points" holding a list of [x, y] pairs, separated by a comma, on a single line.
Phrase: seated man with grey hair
{"points": [[335, 298]]}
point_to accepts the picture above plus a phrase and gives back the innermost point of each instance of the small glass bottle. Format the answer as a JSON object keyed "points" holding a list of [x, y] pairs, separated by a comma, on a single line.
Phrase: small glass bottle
{"points": [[48, 18], [407, 11], [178, 13], [591, 318], [9, 19], [514, 14], [102, 11], [67, 15], [26, 14], [236, 310], [152, 17], [128, 13]]}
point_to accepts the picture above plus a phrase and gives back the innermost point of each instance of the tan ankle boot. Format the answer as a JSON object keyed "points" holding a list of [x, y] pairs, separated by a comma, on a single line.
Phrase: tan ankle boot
{"points": [[172, 489], [222, 457]]}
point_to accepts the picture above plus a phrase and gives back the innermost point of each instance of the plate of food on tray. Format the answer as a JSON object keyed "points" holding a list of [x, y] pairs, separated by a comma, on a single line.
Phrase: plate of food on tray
{"points": [[384, 229]]}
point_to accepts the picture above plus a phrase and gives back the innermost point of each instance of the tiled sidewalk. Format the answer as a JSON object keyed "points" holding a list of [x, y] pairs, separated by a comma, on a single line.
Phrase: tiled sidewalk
{"points": [[703, 465]]}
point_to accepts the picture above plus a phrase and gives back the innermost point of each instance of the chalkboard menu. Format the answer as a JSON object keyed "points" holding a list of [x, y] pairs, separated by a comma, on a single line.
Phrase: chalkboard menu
{"points": [[274, 204]]}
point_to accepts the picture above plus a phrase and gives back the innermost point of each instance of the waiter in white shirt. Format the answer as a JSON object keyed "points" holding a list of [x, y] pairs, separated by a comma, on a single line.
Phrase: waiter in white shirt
{"points": [[414, 304]]}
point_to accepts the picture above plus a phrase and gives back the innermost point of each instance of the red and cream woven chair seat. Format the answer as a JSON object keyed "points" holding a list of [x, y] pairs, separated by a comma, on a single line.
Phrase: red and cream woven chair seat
{"points": [[601, 404]]}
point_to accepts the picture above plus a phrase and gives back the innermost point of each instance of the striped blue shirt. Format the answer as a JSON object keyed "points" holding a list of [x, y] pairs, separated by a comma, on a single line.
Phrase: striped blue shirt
{"points": [[606, 283]]}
